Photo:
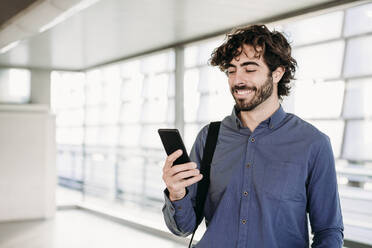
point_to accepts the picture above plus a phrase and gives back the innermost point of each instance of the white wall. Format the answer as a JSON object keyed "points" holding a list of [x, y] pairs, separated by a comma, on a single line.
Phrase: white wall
{"points": [[27, 162], [40, 87]]}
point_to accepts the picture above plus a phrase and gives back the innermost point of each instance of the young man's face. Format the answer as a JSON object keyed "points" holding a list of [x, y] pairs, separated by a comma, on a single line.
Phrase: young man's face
{"points": [[249, 79]]}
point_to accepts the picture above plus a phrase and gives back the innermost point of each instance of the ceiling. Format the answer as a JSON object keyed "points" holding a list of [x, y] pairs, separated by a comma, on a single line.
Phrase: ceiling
{"points": [[10, 8], [111, 30]]}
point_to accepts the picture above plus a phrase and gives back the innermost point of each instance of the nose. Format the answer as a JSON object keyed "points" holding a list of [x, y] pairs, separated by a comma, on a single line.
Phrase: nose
{"points": [[239, 78]]}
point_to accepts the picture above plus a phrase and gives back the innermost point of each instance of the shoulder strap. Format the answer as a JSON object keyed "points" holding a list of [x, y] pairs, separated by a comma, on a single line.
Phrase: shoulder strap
{"points": [[203, 185]]}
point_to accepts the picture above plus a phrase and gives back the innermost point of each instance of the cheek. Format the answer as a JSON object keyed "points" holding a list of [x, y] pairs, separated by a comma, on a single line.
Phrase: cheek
{"points": [[256, 77], [256, 80], [261, 78]]}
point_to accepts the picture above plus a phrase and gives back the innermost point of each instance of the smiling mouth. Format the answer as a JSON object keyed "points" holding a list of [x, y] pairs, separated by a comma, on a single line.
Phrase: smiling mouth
{"points": [[242, 92]]}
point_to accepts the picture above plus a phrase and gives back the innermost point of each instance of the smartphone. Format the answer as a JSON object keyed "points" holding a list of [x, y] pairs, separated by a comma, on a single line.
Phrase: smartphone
{"points": [[172, 141]]}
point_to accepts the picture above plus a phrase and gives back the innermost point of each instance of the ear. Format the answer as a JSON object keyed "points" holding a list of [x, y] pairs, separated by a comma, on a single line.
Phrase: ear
{"points": [[278, 74]]}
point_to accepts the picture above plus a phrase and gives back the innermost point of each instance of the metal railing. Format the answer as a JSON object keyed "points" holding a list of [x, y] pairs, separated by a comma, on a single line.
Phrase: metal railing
{"points": [[357, 176]]}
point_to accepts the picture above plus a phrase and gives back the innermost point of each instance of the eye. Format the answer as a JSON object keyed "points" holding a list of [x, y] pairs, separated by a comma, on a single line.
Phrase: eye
{"points": [[250, 70], [229, 73]]}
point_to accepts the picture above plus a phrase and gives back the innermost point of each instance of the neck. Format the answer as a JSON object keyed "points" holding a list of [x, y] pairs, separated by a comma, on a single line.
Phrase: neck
{"points": [[253, 118]]}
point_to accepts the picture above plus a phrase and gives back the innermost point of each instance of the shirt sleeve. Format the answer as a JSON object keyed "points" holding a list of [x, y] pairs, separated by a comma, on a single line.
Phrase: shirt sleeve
{"points": [[179, 215], [323, 200]]}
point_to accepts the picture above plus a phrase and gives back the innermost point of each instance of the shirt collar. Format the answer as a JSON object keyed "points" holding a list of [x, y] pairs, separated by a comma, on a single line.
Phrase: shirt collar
{"points": [[271, 122]]}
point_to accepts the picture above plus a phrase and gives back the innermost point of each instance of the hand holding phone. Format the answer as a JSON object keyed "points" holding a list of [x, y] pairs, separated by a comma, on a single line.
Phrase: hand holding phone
{"points": [[184, 173]]}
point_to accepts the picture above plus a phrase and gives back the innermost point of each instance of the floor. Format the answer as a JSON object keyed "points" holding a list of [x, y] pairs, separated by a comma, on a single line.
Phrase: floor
{"points": [[77, 229], [147, 216], [356, 208]]}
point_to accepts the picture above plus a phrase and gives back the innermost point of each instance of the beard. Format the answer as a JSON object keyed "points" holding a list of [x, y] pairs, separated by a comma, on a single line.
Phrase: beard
{"points": [[260, 95]]}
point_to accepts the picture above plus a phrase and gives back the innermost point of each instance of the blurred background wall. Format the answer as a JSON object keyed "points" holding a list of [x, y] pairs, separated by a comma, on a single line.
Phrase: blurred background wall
{"points": [[84, 86]]}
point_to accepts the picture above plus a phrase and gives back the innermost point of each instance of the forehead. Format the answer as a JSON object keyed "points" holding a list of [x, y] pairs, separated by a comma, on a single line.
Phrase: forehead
{"points": [[248, 53]]}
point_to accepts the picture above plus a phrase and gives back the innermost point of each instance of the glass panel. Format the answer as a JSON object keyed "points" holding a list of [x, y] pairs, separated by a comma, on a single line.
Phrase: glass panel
{"points": [[131, 112], [288, 102], [161, 62], [156, 86], [154, 111], [207, 96], [334, 130], [171, 85], [73, 117], [111, 92], [95, 76], [110, 114], [129, 135], [131, 177], [109, 135], [191, 131], [17, 88], [91, 135], [358, 60], [101, 135], [69, 162], [211, 80], [132, 88], [171, 108], [315, 29], [358, 99], [317, 99], [73, 136], [94, 92], [214, 107], [191, 94], [150, 138], [100, 174], [129, 97], [206, 48], [111, 74], [102, 115], [153, 180], [67, 90], [358, 20], [358, 140], [93, 115], [204, 109], [199, 53], [319, 61], [191, 56], [130, 69]]}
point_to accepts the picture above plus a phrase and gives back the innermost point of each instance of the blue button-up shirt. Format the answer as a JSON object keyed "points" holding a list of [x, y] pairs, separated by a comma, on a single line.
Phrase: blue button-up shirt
{"points": [[263, 187]]}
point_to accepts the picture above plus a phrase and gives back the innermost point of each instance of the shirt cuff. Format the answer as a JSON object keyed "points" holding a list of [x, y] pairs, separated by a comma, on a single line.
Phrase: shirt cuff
{"points": [[178, 207]]}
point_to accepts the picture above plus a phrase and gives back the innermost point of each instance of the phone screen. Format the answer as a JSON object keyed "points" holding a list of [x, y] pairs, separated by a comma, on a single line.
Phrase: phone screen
{"points": [[172, 141]]}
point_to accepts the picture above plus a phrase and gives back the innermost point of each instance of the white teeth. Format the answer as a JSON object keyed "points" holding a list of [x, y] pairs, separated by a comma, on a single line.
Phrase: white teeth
{"points": [[242, 92]]}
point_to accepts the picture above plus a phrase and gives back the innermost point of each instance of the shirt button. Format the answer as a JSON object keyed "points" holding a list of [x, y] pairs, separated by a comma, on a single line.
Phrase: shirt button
{"points": [[245, 193], [179, 207], [252, 140], [248, 165], [244, 221]]}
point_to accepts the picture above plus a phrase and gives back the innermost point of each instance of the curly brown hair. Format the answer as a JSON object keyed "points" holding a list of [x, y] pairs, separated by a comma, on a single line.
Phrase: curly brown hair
{"points": [[273, 46]]}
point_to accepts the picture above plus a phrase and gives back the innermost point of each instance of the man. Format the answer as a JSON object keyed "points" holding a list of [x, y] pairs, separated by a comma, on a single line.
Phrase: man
{"points": [[269, 169]]}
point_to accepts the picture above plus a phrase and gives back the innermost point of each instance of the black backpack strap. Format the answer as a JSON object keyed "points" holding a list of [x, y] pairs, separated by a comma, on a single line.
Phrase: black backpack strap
{"points": [[203, 185]]}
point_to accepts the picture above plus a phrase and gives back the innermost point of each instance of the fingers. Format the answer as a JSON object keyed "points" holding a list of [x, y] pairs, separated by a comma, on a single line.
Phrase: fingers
{"points": [[171, 158], [175, 186], [192, 180], [178, 177], [181, 167], [186, 174]]}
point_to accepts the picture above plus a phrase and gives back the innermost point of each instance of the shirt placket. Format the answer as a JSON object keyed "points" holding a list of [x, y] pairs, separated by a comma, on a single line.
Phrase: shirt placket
{"points": [[245, 191]]}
